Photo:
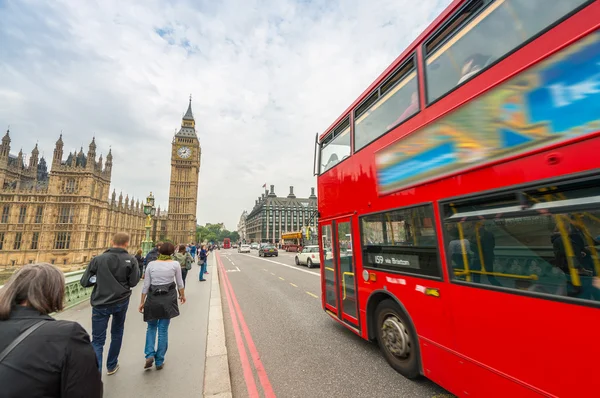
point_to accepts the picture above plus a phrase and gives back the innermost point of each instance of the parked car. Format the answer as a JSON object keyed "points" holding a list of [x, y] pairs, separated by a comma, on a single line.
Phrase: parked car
{"points": [[268, 251], [234, 246], [254, 246], [244, 249], [309, 256]]}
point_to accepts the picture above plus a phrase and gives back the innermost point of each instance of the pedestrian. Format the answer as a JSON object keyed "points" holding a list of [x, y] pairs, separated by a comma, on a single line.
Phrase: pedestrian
{"points": [[140, 260], [112, 274], [185, 261], [152, 255], [203, 257], [41, 356], [159, 303], [193, 251]]}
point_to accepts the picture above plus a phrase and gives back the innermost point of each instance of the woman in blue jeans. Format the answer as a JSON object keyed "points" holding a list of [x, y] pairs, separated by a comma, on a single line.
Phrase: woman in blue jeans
{"points": [[159, 303], [203, 257]]}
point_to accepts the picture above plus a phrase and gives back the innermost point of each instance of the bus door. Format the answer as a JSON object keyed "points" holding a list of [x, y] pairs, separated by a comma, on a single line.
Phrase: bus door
{"points": [[339, 293]]}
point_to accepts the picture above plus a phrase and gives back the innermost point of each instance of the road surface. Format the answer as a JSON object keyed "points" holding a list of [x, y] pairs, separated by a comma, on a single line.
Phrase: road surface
{"points": [[289, 346]]}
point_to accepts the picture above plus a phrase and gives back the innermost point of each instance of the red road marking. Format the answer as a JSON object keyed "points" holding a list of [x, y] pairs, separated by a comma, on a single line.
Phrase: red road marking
{"points": [[258, 365], [248, 376]]}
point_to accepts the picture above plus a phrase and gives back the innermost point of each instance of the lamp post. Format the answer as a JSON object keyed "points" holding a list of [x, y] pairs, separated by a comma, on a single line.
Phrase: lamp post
{"points": [[149, 211]]}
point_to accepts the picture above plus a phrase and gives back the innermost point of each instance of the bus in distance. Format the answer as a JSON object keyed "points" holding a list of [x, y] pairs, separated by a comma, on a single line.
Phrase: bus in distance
{"points": [[459, 202], [226, 243]]}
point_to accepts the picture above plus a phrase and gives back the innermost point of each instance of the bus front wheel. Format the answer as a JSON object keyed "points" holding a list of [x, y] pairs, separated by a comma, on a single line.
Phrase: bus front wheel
{"points": [[396, 339]]}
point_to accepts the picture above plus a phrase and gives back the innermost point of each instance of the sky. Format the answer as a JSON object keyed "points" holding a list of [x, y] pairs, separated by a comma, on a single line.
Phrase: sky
{"points": [[265, 77]]}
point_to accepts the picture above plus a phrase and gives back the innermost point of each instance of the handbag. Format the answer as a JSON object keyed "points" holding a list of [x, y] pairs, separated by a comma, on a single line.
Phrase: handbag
{"points": [[20, 338]]}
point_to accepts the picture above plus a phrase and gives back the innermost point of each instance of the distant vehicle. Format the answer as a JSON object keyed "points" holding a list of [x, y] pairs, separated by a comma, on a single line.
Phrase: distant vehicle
{"points": [[268, 250], [226, 243], [309, 256], [234, 246], [244, 249], [254, 246]]}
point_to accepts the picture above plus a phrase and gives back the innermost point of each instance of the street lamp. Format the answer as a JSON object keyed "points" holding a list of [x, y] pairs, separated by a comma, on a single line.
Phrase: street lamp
{"points": [[149, 211]]}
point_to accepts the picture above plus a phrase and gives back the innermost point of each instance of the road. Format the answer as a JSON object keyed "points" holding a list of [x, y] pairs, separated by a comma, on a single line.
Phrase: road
{"points": [[289, 347]]}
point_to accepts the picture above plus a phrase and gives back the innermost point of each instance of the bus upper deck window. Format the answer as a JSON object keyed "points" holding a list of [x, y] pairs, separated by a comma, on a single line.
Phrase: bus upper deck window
{"points": [[486, 35]]}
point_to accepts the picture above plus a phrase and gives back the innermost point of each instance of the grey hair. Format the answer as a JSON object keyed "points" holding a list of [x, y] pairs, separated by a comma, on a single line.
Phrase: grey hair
{"points": [[40, 286]]}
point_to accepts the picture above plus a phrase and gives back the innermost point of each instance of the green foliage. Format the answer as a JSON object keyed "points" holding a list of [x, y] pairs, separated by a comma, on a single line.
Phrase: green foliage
{"points": [[215, 233]]}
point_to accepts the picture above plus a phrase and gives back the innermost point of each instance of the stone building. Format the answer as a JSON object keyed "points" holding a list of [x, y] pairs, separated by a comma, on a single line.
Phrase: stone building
{"points": [[183, 191], [273, 215], [241, 227], [65, 215]]}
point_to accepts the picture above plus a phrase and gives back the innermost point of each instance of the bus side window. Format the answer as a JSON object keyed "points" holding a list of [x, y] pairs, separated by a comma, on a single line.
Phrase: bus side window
{"points": [[492, 32], [544, 252]]}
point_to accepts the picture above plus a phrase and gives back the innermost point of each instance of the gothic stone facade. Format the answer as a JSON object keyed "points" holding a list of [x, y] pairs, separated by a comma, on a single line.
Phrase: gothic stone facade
{"points": [[272, 216], [183, 190], [64, 216]]}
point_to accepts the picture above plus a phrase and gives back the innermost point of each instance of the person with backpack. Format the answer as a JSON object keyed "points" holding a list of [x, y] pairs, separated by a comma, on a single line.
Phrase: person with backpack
{"points": [[185, 260]]}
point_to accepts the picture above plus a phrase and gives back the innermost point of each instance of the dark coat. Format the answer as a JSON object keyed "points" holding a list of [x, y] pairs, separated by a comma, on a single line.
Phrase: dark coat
{"points": [[116, 273], [161, 302], [56, 360], [151, 256]]}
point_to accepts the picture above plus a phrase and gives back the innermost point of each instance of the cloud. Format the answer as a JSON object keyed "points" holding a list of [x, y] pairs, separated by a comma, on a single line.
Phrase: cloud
{"points": [[265, 77]]}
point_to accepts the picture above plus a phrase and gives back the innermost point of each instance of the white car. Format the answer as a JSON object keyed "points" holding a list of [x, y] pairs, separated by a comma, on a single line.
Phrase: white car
{"points": [[244, 249], [309, 256]]}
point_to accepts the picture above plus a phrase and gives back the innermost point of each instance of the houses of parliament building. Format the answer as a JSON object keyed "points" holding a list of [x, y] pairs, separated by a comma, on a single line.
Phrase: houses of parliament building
{"points": [[64, 213]]}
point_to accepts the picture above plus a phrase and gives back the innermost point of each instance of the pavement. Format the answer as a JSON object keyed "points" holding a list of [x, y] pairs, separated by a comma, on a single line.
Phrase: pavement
{"points": [[191, 370], [290, 347]]}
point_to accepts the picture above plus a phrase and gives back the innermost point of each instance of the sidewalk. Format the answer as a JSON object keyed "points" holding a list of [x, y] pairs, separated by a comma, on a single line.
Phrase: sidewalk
{"points": [[183, 374]]}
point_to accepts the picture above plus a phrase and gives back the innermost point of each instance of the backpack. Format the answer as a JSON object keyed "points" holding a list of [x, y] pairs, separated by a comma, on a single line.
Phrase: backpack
{"points": [[184, 260]]}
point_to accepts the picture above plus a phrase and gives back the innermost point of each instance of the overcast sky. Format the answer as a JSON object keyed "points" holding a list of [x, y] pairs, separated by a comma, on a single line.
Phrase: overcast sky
{"points": [[265, 76]]}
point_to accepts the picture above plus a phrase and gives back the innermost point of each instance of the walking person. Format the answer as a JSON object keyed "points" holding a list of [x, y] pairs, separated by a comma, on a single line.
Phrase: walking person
{"points": [[185, 260], [193, 251], [49, 358], [159, 303], [151, 256], [202, 258], [140, 260], [112, 274]]}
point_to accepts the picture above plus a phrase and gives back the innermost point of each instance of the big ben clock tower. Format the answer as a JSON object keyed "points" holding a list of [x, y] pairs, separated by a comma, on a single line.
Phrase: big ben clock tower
{"points": [[183, 191]]}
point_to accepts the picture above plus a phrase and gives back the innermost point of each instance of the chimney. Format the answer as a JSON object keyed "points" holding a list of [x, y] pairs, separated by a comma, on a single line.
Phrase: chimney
{"points": [[272, 193], [312, 194], [291, 195]]}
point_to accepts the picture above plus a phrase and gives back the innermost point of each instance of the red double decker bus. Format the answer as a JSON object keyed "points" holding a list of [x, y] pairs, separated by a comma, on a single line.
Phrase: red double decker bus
{"points": [[226, 243], [459, 202]]}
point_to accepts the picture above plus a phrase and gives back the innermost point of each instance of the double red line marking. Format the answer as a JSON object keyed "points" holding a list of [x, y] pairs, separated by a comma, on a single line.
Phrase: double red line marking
{"points": [[239, 327]]}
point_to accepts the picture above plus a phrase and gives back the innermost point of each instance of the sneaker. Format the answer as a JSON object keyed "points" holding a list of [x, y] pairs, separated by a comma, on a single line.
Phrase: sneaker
{"points": [[113, 371], [149, 363], [159, 367]]}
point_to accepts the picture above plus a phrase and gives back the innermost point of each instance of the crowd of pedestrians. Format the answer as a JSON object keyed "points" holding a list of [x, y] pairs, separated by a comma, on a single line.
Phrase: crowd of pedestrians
{"points": [[58, 359]]}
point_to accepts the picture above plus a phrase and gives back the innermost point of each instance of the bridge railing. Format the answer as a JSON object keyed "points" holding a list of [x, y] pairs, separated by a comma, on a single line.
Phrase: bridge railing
{"points": [[74, 292]]}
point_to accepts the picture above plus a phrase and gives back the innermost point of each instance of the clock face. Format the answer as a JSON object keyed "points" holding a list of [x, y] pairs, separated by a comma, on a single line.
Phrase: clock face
{"points": [[184, 152]]}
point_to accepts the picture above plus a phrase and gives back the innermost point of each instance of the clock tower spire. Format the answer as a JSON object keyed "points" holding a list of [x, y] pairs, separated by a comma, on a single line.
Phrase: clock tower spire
{"points": [[183, 190]]}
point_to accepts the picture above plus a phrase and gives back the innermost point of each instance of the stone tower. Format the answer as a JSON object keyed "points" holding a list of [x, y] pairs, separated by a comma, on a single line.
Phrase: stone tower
{"points": [[183, 190]]}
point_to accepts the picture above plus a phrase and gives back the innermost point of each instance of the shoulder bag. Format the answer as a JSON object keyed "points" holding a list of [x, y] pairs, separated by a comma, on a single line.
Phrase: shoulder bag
{"points": [[19, 339]]}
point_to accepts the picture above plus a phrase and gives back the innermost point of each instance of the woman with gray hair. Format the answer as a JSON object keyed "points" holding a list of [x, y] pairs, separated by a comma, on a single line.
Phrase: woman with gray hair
{"points": [[41, 356]]}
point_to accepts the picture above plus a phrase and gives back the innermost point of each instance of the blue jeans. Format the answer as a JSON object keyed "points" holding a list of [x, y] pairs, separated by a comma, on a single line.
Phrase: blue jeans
{"points": [[203, 270], [163, 340], [100, 324]]}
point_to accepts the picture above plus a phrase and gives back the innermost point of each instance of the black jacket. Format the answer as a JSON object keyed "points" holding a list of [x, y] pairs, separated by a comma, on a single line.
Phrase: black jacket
{"points": [[56, 360], [116, 273], [151, 256]]}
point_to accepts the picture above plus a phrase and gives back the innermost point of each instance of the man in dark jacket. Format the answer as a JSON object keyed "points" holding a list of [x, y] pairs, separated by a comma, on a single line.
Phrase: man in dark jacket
{"points": [[113, 274], [152, 255]]}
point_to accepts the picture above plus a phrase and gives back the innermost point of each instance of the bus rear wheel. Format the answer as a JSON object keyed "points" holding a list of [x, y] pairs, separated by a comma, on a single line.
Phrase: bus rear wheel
{"points": [[396, 339]]}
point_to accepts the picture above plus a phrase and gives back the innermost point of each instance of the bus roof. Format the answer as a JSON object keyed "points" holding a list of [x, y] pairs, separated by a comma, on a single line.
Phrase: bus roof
{"points": [[409, 50]]}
